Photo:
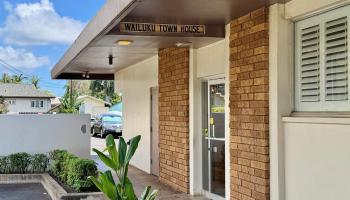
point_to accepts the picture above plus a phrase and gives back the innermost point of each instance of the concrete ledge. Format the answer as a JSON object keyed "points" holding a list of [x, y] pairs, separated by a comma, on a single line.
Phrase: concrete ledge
{"points": [[53, 188]]}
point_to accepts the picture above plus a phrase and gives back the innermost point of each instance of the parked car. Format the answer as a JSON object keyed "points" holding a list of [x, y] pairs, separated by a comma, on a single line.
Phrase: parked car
{"points": [[107, 124], [92, 123]]}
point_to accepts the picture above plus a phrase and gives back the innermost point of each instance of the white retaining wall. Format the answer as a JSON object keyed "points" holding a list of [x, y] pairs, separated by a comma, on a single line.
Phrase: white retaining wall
{"points": [[44, 133]]}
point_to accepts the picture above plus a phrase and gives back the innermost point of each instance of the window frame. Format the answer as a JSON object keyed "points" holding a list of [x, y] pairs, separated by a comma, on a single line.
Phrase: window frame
{"points": [[322, 105], [37, 104]]}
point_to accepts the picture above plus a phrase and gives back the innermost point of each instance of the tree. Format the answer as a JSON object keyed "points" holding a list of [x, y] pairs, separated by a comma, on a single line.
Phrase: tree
{"points": [[5, 78], [17, 78], [69, 102], [104, 90], [3, 106], [35, 81]]}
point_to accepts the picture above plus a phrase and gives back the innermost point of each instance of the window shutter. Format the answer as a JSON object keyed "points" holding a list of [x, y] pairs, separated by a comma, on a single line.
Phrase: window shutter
{"points": [[310, 64], [336, 60]]}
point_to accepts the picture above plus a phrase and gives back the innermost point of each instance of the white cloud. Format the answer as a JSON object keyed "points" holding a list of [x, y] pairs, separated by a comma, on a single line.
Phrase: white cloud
{"points": [[38, 24], [22, 58]]}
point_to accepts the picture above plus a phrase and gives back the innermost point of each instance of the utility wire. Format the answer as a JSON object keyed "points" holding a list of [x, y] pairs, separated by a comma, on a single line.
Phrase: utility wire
{"points": [[19, 72]]}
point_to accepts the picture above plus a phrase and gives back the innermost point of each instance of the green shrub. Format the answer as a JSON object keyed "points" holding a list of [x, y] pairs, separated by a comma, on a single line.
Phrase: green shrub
{"points": [[72, 170], [78, 172], [19, 162], [68, 158], [4, 165], [57, 159], [39, 163]]}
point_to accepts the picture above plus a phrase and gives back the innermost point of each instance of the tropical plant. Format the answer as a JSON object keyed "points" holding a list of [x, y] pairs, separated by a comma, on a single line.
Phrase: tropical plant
{"points": [[70, 102], [104, 89], [18, 78], [118, 161], [5, 78], [3, 106], [35, 81]]}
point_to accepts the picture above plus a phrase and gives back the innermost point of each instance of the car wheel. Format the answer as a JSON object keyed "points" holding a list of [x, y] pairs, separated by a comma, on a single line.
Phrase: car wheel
{"points": [[102, 132], [93, 133]]}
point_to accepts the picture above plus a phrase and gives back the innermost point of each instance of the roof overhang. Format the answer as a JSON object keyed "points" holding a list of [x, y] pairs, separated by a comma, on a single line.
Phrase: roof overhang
{"points": [[89, 53]]}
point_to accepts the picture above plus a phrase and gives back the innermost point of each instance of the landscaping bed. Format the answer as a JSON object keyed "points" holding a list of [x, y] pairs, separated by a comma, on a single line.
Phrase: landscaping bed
{"points": [[63, 175]]}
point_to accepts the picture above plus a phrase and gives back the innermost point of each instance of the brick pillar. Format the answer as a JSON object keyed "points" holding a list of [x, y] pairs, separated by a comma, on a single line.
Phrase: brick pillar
{"points": [[249, 106], [174, 117]]}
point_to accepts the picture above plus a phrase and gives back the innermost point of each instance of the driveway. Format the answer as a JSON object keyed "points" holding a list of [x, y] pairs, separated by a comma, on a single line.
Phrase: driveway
{"points": [[23, 191]]}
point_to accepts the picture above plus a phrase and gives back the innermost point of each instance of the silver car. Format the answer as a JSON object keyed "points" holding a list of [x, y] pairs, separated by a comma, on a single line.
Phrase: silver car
{"points": [[108, 124]]}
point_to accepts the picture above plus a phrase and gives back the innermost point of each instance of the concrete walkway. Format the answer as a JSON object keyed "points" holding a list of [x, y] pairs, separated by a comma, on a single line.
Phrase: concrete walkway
{"points": [[141, 179]]}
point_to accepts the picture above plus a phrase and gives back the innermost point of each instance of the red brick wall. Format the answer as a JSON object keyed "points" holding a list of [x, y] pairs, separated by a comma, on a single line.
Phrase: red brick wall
{"points": [[249, 106], [174, 117]]}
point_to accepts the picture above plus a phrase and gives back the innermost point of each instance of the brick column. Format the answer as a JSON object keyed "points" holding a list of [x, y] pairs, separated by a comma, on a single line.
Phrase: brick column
{"points": [[249, 106], [174, 117]]}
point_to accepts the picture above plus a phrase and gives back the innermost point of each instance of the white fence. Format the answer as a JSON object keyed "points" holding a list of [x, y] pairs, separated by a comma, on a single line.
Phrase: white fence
{"points": [[44, 133]]}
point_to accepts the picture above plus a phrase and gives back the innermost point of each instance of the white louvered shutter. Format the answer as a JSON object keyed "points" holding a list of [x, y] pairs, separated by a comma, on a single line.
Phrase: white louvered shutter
{"points": [[336, 60], [322, 62], [310, 64]]}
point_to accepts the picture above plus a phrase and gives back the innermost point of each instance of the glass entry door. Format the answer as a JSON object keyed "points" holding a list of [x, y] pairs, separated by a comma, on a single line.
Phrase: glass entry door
{"points": [[214, 138]]}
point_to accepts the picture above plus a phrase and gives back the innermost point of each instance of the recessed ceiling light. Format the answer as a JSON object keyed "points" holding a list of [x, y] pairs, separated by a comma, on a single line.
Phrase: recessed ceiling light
{"points": [[124, 42], [183, 44]]}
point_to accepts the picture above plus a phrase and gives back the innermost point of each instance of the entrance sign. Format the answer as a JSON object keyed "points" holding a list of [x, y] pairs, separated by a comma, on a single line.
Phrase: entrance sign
{"points": [[131, 27]]}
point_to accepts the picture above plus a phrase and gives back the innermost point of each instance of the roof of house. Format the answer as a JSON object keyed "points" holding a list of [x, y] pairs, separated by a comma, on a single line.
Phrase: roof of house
{"points": [[22, 91], [93, 98]]}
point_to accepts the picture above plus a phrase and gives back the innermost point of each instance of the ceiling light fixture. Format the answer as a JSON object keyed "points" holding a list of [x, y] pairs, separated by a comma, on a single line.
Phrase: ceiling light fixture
{"points": [[124, 42], [183, 44], [86, 75]]}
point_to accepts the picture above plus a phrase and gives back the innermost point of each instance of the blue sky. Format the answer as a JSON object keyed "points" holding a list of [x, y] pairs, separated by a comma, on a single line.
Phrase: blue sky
{"points": [[34, 34]]}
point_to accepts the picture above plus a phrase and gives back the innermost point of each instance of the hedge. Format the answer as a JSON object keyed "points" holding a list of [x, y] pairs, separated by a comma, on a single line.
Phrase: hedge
{"points": [[23, 163], [72, 170]]}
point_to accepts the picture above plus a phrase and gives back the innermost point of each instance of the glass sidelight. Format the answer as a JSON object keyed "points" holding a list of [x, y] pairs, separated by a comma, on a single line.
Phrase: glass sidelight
{"points": [[214, 137]]}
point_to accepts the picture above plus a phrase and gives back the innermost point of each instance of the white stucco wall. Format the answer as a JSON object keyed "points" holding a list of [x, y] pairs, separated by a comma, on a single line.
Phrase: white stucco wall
{"points": [[135, 84], [212, 59], [308, 154], [44, 133], [301, 8], [317, 158], [24, 105]]}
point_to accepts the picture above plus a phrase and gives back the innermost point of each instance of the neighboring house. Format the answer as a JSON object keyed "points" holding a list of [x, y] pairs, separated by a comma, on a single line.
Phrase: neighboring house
{"points": [[255, 105], [93, 106], [25, 98], [55, 105]]}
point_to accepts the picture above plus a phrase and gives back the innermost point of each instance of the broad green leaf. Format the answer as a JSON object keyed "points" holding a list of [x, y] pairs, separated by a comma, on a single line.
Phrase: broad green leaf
{"points": [[96, 182], [153, 195], [145, 193], [112, 150], [110, 176], [106, 160], [122, 151], [129, 190], [109, 188], [134, 143]]}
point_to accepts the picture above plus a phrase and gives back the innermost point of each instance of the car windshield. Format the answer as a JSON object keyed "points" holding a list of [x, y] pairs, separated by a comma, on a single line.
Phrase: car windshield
{"points": [[111, 119]]}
